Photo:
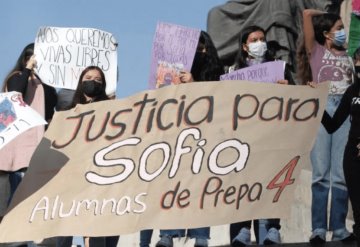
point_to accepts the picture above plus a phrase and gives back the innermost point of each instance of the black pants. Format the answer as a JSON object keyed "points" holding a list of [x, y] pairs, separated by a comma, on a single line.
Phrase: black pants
{"points": [[352, 178], [104, 241], [93, 241], [236, 227]]}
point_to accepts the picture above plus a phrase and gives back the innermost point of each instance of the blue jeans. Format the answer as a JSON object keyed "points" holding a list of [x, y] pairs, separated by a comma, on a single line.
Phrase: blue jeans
{"points": [[111, 241], [145, 237], [203, 232], [14, 180], [328, 174]]}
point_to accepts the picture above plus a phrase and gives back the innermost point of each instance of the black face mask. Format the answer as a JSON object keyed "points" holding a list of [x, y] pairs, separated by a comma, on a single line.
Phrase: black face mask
{"points": [[92, 88]]}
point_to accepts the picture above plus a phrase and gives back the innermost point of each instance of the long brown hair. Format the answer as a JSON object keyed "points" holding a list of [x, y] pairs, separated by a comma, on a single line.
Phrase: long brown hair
{"points": [[242, 55], [79, 97], [20, 65], [303, 73], [323, 23]]}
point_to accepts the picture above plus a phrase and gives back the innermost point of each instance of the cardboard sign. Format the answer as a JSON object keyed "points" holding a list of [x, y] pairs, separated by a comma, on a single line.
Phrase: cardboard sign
{"points": [[264, 72], [173, 50], [63, 53], [186, 156]]}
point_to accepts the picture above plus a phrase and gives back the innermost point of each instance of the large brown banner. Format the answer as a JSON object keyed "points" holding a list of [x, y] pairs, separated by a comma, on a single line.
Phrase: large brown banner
{"points": [[191, 155]]}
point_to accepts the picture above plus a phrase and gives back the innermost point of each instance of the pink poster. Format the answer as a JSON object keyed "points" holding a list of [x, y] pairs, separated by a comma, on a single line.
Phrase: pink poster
{"points": [[173, 50], [264, 72]]}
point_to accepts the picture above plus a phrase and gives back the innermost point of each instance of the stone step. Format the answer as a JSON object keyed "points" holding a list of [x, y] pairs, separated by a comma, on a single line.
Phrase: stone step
{"points": [[327, 244]]}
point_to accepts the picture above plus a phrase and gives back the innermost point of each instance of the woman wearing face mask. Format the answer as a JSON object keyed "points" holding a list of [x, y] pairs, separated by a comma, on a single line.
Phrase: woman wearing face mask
{"points": [[324, 40], [253, 50], [91, 88]]}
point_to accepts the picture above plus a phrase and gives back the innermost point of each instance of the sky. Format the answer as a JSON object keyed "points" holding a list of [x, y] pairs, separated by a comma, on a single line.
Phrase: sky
{"points": [[131, 22]]}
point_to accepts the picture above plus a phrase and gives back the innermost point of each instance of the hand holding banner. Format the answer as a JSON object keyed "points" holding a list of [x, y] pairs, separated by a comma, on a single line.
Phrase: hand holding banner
{"points": [[264, 72]]}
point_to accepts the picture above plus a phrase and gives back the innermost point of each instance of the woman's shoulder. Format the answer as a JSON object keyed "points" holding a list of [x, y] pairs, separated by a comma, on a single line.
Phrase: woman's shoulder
{"points": [[317, 48], [14, 75]]}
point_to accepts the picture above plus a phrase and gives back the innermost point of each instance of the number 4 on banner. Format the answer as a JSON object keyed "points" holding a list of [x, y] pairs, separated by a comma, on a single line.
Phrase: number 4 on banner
{"points": [[289, 168]]}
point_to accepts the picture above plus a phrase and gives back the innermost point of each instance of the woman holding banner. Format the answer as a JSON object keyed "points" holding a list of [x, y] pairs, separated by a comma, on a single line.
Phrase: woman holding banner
{"points": [[91, 88], [206, 67], [324, 40], [15, 156], [253, 49]]}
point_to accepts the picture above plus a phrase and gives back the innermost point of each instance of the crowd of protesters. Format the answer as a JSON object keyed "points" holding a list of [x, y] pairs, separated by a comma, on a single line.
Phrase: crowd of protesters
{"points": [[335, 158]]}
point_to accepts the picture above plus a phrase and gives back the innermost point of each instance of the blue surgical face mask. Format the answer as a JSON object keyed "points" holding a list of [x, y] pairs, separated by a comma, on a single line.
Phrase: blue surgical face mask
{"points": [[340, 37]]}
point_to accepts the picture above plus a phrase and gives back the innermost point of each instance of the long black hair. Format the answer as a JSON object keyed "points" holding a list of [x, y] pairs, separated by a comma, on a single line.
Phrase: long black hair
{"points": [[20, 65], [304, 72], [79, 97], [323, 23], [242, 55], [207, 65]]}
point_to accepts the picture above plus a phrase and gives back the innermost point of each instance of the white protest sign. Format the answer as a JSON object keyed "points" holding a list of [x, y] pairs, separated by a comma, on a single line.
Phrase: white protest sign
{"points": [[16, 117], [63, 53]]}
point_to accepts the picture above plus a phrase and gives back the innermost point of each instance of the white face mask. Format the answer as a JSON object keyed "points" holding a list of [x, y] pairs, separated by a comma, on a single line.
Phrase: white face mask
{"points": [[257, 49]]}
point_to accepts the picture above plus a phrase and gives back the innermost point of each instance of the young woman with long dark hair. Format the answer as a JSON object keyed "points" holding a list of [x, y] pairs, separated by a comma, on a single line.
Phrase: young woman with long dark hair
{"points": [[16, 155], [324, 40]]}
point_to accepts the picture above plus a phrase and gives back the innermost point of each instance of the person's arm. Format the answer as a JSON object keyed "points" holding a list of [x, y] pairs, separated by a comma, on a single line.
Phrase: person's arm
{"points": [[18, 82], [308, 28], [331, 124]]}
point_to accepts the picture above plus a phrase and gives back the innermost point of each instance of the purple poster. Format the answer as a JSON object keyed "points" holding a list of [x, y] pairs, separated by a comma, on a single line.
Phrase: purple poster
{"points": [[173, 50], [264, 72]]}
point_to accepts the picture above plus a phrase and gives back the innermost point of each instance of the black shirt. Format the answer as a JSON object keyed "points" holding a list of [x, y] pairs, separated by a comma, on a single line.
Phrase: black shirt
{"points": [[349, 105], [18, 82]]}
